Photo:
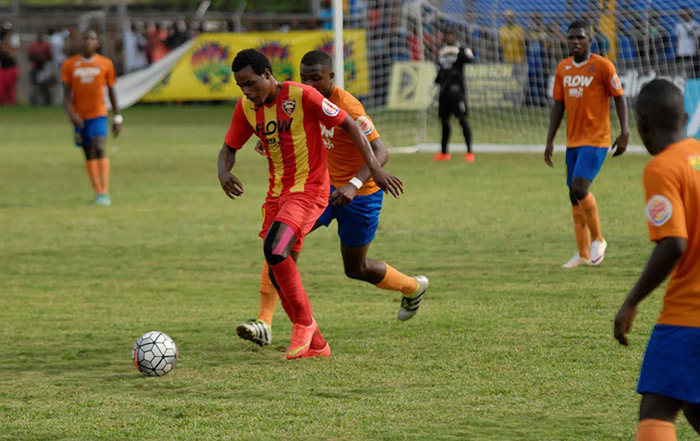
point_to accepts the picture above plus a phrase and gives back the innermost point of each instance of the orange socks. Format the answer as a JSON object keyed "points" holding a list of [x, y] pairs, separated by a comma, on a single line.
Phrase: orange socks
{"points": [[655, 430], [397, 281], [268, 296], [93, 172], [590, 213], [103, 172], [583, 237]]}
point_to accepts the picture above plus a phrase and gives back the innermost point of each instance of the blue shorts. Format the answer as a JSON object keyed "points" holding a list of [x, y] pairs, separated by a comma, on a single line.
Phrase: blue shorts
{"points": [[357, 221], [92, 128], [671, 365], [584, 162]]}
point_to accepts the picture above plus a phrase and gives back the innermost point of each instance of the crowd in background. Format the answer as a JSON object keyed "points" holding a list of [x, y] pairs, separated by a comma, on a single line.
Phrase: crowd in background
{"points": [[395, 33]]}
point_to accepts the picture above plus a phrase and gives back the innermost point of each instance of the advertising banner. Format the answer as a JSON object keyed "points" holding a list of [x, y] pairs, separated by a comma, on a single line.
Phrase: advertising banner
{"points": [[488, 85], [204, 72]]}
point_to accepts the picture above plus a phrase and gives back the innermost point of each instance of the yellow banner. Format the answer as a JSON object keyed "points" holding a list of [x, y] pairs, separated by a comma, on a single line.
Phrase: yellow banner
{"points": [[204, 72]]}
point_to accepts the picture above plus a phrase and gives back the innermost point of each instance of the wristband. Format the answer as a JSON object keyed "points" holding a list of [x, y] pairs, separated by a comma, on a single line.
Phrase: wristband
{"points": [[355, 182], [118, 119]]}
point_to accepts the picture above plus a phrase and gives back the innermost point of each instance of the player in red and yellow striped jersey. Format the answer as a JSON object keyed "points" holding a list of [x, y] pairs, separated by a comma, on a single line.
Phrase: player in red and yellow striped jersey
{"points": [[84, 78], [583, 86], [287, 118], [355, 203], [670, 375]]}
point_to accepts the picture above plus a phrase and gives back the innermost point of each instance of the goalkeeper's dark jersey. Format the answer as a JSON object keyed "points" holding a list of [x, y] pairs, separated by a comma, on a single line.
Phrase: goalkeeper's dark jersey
{"points": [[450, 62]]}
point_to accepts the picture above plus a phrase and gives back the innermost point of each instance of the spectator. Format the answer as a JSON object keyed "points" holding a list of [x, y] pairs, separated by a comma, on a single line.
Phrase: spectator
{"points": [[135, 45], [659, 39], [9, 69], [41, 73], [688, 33], [512, 39], [57, 39], [157, 36], [537, 61]]}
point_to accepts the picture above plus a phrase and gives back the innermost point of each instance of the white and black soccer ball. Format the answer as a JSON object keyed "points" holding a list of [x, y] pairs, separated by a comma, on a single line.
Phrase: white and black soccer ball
{"points": [[155, 354]]}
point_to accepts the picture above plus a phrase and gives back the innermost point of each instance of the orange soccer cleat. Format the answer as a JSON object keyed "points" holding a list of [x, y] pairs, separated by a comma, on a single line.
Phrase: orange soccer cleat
{"points": [[442, 157], [324, 352], [301, 339], [469, 157]]}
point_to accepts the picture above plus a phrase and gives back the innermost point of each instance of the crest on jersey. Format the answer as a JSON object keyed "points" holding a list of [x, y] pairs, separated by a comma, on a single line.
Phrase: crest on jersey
{"points": [[365, 125], [615, 82], [288, 106], [329, 108], [659, 210]]}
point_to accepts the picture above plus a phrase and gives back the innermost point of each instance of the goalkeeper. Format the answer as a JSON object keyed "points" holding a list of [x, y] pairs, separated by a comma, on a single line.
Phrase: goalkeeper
{"points": [[453, 100]]}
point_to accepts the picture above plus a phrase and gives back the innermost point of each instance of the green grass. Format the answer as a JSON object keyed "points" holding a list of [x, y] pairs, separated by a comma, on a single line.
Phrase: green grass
{"points": [[506, 347]]}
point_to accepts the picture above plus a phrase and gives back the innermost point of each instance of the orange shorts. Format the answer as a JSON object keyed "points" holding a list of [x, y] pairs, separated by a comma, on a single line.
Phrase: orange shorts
{"points": [[297, 210]]}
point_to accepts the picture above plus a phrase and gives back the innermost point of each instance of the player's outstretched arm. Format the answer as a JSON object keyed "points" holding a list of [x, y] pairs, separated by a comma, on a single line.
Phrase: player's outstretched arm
{"points": [[555, 118], [620, 144], [229, 183], [118, 120], [68, 105], [386, 181], [345, 194], [662, 260]]}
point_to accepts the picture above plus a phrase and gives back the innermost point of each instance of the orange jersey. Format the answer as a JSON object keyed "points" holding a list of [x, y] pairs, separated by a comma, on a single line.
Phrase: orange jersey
{"points": [[586, 90], [672, 187], [87, 79], [344, 159]]}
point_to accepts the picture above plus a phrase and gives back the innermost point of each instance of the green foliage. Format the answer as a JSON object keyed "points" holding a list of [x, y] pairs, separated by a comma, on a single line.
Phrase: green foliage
{"points": [[506, 347]]}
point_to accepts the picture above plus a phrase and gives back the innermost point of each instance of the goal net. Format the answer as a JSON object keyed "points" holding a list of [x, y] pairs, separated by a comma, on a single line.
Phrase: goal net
{"points": [[517, 45]]}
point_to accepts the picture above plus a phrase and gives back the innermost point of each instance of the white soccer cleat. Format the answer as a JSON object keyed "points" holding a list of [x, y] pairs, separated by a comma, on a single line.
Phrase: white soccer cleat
{"points": [[255, 331], [598, 252], [409, 305], [575, 262]]}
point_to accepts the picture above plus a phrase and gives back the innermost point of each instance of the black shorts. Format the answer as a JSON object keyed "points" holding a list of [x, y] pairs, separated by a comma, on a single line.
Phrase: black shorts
{"points": [[452, 105]]}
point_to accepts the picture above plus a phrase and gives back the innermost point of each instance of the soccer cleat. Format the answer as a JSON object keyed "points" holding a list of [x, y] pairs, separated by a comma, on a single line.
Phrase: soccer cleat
{"points": [[324, 352], [409, 305], [256, 331], [103, 199], [301, 339], [598, 252], [442, 157], [576, 261], [469, 157]]}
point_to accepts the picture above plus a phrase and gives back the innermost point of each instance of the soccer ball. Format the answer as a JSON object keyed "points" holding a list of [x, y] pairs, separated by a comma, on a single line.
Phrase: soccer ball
{"points": [[155, 354]]}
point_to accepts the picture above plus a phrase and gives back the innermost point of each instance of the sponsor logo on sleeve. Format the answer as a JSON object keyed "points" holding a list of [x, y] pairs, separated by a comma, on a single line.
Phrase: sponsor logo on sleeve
{"points": [[615, 82], [366, 125], [694, 161], [329, 108], [659, 210]]}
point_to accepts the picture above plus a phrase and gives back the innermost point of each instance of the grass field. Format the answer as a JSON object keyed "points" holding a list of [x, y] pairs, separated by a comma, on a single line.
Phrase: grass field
{"points": [[506, 347]]}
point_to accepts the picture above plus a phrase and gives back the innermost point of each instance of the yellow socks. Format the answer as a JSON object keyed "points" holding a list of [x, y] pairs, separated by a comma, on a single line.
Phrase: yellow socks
{"points": [[94, 174], [103, 173], [268, 296], [655, 430], [583, 237], [397, 281], [590, 213]]}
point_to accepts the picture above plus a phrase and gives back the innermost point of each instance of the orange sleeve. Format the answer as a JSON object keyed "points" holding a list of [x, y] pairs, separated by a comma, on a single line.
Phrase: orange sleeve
{"points": [[613, 83], [558, 93], [66, 71], [357, 111], [664, 206]]}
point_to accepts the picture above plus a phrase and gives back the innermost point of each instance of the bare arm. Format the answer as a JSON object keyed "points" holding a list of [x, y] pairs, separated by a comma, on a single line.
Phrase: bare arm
{"points": [[117, 125], [620, 144], [555, 118], [662, 260], [229, 183], [68, 105], [384, 180]]}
